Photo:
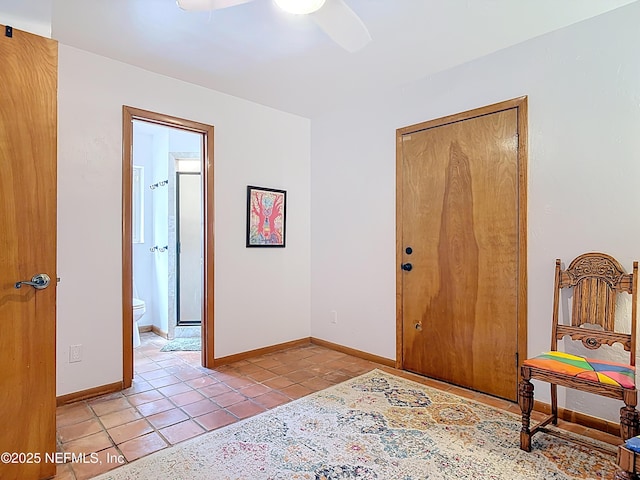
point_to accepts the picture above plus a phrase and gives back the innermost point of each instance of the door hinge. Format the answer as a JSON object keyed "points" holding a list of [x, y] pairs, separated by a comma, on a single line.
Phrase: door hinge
{"points": [[8, 31], [517, 360]]}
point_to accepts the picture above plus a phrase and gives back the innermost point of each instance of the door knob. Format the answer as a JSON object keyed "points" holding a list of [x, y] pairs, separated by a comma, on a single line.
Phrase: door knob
{"points": [[39, 281], [407, 267]]}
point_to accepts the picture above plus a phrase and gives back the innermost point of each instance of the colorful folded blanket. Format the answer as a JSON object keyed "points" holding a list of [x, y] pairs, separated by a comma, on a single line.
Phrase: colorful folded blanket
{"points": [[598, 371]]}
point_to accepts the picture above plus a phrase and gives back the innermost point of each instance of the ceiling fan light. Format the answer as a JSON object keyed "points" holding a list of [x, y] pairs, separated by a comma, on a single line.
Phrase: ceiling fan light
{"points": [[300, 7]]}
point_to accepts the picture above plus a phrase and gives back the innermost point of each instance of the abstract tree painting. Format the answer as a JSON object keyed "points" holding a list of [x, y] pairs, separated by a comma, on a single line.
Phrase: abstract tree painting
{"points": [[266, 214]]}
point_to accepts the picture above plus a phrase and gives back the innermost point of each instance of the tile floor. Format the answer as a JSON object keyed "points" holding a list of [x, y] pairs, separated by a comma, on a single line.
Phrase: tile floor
{"points": [[173, 398]]}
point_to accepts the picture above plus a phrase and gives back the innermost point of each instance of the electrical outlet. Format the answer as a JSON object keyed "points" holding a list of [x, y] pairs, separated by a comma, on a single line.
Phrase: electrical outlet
{"points": [[333, 317], [75, 353]]}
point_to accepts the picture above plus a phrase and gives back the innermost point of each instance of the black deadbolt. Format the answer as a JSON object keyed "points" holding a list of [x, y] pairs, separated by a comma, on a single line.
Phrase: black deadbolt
{"points": [[408, 250]]}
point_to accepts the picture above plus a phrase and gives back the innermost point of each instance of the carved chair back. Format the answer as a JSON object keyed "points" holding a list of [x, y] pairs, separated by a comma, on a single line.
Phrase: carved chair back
{"points": [[596, 280]]}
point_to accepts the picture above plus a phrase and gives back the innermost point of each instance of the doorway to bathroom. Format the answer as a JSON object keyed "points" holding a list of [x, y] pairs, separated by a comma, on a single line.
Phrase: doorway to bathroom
{"points": [[167, 231]]}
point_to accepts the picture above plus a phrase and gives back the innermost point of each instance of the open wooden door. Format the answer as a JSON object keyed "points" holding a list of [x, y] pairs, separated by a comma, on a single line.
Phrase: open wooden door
{"points": [[28, 131]]}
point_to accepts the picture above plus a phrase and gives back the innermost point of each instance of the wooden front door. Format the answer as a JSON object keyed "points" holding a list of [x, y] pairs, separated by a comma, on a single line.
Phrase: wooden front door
{"points": [[461, 242], [28, 119]]}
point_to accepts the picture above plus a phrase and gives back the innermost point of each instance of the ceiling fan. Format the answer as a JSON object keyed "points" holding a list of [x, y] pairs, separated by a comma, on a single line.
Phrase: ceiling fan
{"points": [[334, 17]]}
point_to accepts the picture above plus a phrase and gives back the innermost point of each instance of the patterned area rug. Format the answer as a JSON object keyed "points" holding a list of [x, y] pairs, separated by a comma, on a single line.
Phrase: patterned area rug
{"points": [[376, 426], [182, 344]]}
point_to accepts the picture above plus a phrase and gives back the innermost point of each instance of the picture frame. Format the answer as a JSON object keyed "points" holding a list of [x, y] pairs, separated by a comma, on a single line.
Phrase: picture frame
{"points": [[266, 217]]}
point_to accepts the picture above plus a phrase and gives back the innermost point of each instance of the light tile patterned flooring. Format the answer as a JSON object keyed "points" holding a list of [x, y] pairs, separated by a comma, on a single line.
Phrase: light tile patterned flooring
{"points": [[173, 398]]}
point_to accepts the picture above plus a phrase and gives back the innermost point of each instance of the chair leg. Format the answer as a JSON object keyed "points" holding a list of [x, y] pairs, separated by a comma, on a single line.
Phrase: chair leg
{"points": [[554, 403], [628, 422], [629, 415], [525, 400]]}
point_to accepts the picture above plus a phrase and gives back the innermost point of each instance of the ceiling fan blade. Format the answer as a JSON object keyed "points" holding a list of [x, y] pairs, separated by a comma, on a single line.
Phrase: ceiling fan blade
{"points": [[207, 5], [342, 25]]}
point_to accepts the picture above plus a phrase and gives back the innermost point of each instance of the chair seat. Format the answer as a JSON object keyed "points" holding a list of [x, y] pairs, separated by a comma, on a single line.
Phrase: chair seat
{"points": [[597, 371]]}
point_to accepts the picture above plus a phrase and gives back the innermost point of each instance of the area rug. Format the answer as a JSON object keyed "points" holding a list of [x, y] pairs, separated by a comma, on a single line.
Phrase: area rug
{"points": [[182, 344], [376, 426]]}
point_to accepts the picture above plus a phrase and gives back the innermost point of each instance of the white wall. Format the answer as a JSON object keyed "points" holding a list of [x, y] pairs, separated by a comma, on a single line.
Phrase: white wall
{"points": [[262, 295], [583, 84], [160, 213], [142, 258]]}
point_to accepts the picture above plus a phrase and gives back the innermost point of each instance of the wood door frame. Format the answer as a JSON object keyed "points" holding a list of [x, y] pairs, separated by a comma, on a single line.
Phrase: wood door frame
{"points": [[128, 115], [520, 104]]}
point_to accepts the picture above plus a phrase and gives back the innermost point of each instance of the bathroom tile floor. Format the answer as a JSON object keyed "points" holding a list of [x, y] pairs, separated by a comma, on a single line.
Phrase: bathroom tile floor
{"points": [[173, 398]]}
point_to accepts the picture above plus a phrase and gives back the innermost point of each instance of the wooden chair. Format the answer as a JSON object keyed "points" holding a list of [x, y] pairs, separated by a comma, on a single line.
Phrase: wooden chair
{"points": [[596, 279]]}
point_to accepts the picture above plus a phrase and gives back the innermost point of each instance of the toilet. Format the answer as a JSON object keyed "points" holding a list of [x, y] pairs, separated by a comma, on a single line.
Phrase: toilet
{"points": [[139, 309]]}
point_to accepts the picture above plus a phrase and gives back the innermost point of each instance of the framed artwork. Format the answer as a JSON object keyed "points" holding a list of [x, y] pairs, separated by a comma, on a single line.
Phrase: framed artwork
{"points": [[266, 217]]}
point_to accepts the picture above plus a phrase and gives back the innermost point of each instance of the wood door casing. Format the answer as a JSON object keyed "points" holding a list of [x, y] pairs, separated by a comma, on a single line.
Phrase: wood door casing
{"points": [[207, 131], [28, 149], [460, 308]]}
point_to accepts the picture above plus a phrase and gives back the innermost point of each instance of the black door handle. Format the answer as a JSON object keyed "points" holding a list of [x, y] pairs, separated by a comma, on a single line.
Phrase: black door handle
{"points": [[407, 267]]}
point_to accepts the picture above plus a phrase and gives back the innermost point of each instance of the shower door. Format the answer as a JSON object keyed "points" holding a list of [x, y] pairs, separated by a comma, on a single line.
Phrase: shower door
{"points": [[189, 236]]}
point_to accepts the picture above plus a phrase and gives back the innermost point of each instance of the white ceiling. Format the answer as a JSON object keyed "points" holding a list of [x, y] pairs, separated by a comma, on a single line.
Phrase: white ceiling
{"points": [[257, 52]]}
